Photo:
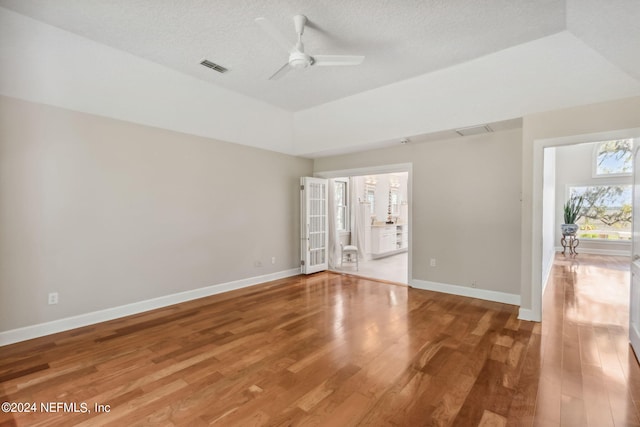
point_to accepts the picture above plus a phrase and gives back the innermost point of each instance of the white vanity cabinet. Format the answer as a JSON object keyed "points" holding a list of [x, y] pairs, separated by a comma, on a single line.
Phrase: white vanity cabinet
{"points": [[389, 239], [402, 236]]}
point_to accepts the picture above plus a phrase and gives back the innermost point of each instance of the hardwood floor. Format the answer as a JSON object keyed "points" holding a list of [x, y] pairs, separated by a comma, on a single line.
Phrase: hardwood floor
{"points": [[339, 350], [588, 374], [393, 268]]}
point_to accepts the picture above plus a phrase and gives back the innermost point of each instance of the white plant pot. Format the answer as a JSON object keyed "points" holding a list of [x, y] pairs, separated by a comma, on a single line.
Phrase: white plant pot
{"points": [[569, 229]]}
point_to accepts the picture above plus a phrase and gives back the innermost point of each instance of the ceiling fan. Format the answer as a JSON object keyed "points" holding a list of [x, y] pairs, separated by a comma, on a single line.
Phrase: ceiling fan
{"points": [[298, 59]]}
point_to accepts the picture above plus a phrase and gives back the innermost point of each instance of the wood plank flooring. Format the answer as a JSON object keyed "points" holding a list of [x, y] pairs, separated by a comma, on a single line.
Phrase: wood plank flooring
{"points": [[588, 374], [339, 350]]}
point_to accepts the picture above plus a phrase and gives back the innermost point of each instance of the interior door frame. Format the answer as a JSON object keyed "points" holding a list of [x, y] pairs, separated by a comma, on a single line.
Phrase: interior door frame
{"points": [[537, 208], [306, 184], [634, 291], [379, 170]]}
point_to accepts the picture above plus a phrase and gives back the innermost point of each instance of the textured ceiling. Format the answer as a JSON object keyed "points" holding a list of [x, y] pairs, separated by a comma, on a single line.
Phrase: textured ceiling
{"points": [[400, 39]]}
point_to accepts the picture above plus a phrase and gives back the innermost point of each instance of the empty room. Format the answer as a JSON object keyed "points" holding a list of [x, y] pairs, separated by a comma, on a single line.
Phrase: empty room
{"points": [[318, 213]]}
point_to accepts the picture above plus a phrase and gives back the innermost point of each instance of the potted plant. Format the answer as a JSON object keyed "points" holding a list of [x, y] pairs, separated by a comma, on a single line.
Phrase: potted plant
{"points": [[572, 214]]}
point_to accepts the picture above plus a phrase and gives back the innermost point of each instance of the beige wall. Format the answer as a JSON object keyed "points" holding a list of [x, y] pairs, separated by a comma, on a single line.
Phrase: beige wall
{"points": [[107, 213], [615, 119], [465, 206]]}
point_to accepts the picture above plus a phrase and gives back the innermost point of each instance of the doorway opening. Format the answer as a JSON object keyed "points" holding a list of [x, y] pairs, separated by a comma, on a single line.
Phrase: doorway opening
{"points": [[370, 209], [570, 171]]}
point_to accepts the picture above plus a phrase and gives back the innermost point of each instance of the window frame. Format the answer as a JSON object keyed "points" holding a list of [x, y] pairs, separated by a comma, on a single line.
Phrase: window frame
{"points": [[594, 162], [345, 183], [609, 183]]}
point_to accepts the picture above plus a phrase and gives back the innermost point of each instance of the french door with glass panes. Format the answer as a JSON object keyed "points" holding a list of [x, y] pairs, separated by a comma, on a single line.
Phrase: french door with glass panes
{"points": [[314, 225]]}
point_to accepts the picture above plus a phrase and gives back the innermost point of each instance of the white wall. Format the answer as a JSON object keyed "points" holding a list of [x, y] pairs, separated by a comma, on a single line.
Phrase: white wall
{"points": [[465, 205], [108, 213], [42, 63], [503, 85], [575, 167]]}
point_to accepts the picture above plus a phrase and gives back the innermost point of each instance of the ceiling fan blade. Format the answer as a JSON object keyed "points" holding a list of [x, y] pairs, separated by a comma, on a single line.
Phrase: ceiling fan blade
{"points": [[281, 72], [325, 60], [276, 35]]}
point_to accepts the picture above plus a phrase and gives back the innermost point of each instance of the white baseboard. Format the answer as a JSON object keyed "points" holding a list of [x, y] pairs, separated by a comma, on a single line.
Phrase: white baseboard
{"points": [[527, 314], [546, 270], [464, 291], [592, 251], [60, 325]]}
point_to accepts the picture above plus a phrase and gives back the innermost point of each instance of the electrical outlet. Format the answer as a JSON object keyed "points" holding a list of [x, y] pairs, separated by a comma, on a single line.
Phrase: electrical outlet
{"points": [[474, 284], [433, 262], [273, 260], [53, 298]]}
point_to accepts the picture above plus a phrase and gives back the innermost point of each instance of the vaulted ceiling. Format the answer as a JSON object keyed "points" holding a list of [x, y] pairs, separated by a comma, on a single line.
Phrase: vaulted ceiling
{"points": [[403, 42]]}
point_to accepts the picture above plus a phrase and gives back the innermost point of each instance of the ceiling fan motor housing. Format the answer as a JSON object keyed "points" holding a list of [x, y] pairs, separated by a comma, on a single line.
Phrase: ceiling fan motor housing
{"points": [[300, 60]]}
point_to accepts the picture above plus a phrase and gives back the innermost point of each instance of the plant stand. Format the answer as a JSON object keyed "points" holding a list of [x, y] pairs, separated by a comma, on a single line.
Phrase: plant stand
{"points": [[569, 241]]}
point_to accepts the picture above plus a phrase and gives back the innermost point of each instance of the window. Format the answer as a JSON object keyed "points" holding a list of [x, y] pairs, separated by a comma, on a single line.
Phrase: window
{"points": [[342, 206], [606, 211], [614, 158]]}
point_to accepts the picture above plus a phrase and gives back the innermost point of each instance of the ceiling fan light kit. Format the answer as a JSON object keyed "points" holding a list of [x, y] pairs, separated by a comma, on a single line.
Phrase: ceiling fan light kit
{"points": [[298, 59]]}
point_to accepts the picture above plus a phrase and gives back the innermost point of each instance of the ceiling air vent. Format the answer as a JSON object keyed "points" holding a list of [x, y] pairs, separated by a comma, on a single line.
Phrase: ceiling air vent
{"points": [[474, 130], [213, 66]]}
